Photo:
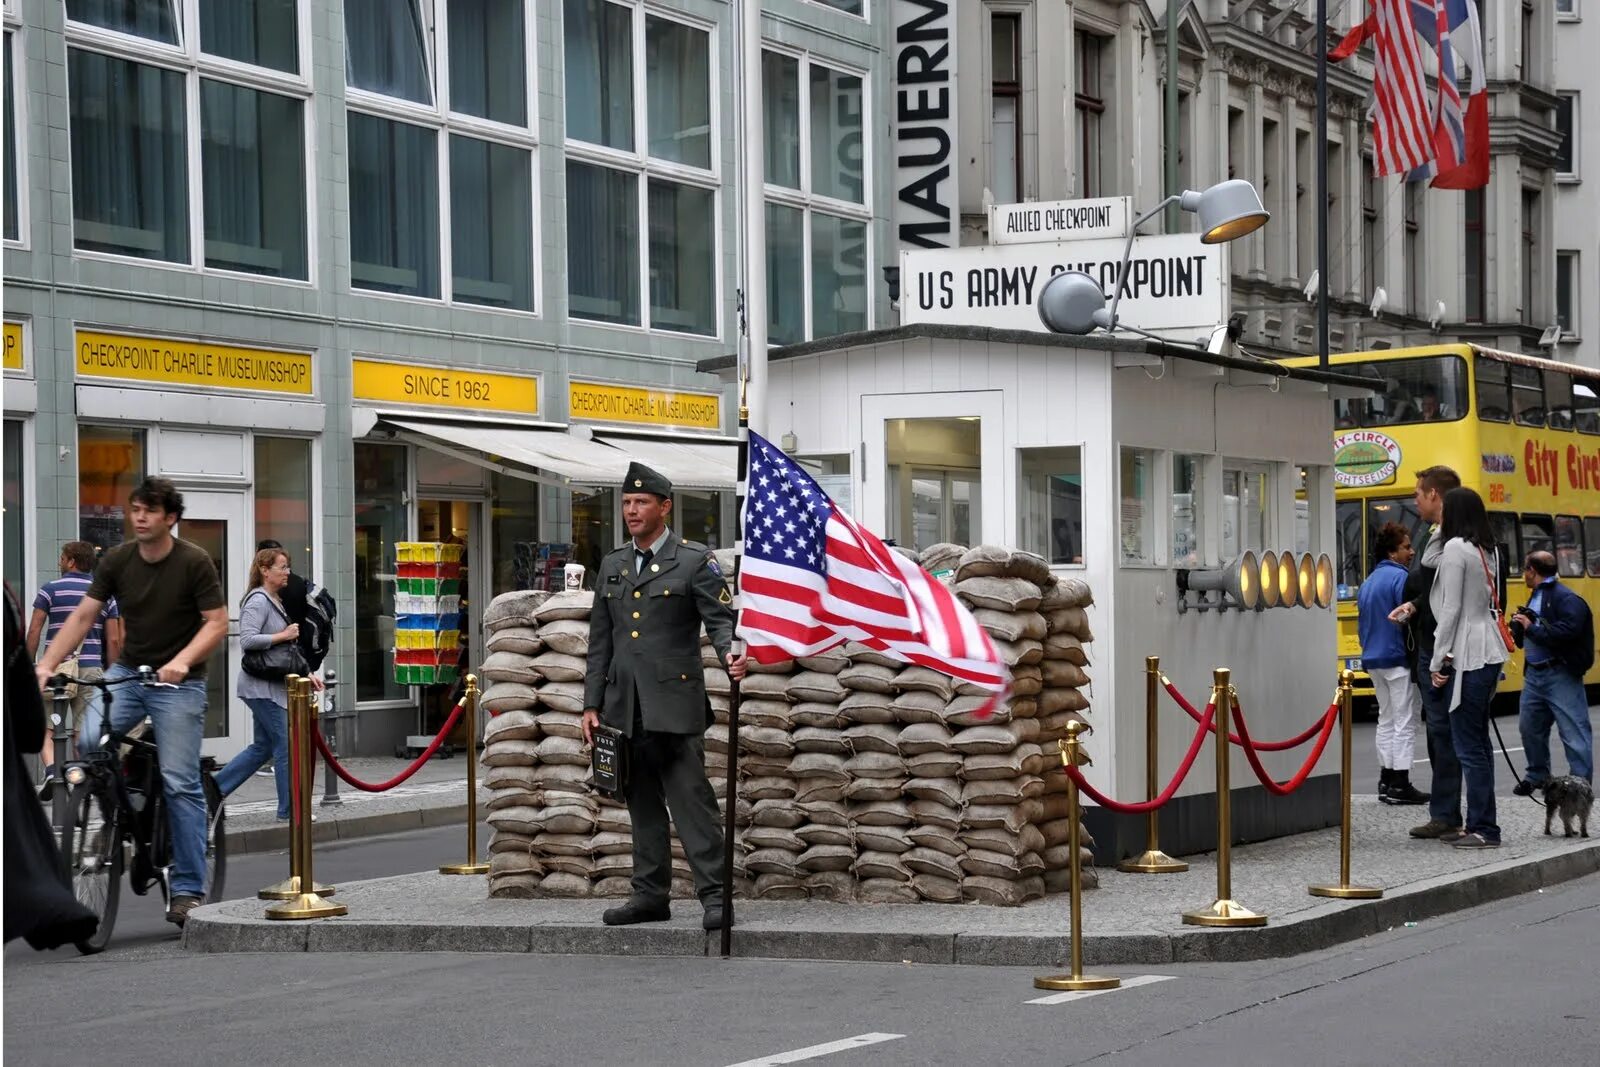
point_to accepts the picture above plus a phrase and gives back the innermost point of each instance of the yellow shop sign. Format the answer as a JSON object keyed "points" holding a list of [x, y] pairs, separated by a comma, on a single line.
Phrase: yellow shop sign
{"points": [[629, 403], [15, 359], [160, 361], [460, 390]]}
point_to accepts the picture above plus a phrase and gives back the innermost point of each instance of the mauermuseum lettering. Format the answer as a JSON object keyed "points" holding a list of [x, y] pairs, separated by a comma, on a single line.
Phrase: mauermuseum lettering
{"points": [[926, 210]]}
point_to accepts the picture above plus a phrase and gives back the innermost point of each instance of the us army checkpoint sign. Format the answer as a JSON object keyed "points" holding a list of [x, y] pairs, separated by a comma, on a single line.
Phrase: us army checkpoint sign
{"points": [[1176, 285]]}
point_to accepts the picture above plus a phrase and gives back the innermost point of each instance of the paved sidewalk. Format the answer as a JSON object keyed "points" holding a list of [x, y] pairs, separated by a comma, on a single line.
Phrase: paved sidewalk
{"points": [[1131, 919], [435, 796]]}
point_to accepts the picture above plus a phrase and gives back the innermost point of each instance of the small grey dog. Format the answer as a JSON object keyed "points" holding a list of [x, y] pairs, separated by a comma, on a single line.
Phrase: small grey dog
{"points": [[1570, 797]]}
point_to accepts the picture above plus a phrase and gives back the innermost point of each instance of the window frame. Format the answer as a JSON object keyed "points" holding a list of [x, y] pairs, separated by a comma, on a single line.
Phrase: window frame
{"points": [[194, 64], [1475, 238], [1572, 137], [1502, 381], [1569, 264], [1157, 493], [644, 167], [1573, 523], [1012, 90], [809, 203], [1591, 542], [866, 9], [17, 94], [1532, 207], [1022, 453], [1084, 105], [1573, 12], [443, 122]]}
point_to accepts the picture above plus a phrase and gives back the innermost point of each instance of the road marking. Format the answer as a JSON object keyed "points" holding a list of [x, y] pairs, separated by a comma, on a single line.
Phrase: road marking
{"points": [[811, 1052], [1127, 983], [1497, 748]]}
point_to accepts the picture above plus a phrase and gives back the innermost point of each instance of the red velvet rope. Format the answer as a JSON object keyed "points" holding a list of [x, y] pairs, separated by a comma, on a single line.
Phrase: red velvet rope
{"points": [[1260, 746], [1283, 790], [416, 765], [1146, 806]]}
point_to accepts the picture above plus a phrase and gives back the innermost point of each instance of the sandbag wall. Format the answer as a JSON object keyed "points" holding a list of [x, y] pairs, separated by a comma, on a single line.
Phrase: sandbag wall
{"points": [[861, 778]]}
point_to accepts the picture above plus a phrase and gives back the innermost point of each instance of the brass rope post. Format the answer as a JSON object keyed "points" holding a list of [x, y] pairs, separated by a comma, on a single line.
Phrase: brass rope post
{"points": [[1072, 755], [1344, 890], [289, 888], [472, 866], [1224, 911], [1154, 861], [304, 905]]}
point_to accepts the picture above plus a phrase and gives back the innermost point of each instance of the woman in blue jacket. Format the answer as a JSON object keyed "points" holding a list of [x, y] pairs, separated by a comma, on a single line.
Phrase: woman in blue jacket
{"points": [[1384, 658]]}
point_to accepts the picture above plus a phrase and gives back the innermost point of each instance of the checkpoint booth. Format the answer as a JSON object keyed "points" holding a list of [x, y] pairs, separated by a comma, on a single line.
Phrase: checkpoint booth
{"points": [[1140, 466]]}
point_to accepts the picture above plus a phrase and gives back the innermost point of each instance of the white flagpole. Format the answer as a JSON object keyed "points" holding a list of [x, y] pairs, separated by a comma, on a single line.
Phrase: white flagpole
{"points": [[755, 219]]}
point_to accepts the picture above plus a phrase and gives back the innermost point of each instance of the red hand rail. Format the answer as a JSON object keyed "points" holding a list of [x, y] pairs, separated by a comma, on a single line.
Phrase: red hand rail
{"points": [[1146, 806], [416, 765], [1300, 776], [1261, 746]]}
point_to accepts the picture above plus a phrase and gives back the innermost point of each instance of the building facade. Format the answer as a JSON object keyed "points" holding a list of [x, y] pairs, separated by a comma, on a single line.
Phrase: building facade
{"points": [[1577, 212], [354, 273]]}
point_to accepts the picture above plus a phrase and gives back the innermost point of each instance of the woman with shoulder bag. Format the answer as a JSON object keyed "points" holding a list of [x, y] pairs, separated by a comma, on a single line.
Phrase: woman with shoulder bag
{"points": [[1467, 653], [271, 653]]}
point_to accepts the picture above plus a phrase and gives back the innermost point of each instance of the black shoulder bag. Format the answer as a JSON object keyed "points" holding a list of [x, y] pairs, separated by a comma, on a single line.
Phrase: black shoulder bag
{"points": [[278, 660]]}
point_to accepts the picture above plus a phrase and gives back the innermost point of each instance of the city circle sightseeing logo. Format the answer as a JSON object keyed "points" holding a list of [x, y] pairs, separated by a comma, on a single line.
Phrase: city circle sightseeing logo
{"points": [[1365, 457]]}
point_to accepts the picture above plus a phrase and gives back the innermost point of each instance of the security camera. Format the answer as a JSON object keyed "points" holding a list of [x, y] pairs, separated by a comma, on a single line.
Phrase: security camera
{"points": [[1312, 285], [1437, 318], [1379, 299], [1550, 336]]}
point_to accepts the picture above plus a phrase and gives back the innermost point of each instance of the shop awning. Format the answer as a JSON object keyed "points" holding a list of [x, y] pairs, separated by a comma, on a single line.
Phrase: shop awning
{"points": [[687, 464]]}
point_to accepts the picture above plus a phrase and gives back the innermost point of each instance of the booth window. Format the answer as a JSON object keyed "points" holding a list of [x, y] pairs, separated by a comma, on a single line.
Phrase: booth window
{"points": [[1246, 506], [935, 481], [11, 454], [1188, 509], [1569, 546], [1050, 503], [380, 522], [833, 475], [284, 502], [1137, 482], [111, 463]]}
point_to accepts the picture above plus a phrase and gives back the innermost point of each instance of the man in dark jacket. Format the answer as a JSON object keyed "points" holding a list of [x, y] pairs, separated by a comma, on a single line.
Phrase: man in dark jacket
{"points": [[1444, 800], [645, 679], [1555, 631]]}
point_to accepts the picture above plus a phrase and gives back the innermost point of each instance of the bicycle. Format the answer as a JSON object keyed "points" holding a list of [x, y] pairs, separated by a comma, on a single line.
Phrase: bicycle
{"points": [[116, 817]]}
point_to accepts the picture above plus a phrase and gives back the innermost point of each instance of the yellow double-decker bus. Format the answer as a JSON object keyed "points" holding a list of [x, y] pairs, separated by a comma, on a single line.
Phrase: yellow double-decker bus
{"points": [[1523, 432]]}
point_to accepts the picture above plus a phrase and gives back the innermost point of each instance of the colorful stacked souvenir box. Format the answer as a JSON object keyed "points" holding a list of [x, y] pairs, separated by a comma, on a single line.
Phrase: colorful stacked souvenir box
{"points": [[427, 633]]}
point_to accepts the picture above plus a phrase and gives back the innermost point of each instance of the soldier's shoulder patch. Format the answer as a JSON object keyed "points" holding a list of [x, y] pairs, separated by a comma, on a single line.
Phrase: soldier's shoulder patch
{"points": [[724, 597], [712, 565]]}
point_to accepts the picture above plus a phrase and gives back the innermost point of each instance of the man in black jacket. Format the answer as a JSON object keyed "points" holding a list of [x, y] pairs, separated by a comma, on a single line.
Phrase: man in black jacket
{"points": [[1444, 800], [1555, 631]]}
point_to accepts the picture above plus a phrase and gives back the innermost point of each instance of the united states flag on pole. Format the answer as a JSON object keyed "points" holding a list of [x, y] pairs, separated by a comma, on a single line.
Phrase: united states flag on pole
{"points": [[811, 578]]}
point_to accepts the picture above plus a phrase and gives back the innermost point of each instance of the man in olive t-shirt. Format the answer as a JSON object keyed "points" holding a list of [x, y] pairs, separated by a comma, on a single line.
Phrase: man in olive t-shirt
{"points": [[174, 615]]}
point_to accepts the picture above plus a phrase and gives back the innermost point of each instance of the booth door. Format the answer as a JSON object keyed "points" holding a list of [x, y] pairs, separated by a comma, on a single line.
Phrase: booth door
{"points": [[934, 468]]}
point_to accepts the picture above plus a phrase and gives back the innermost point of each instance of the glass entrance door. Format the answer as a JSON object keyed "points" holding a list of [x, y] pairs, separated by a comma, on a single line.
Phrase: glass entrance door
{"points": [[458, 522], [217, 523]]}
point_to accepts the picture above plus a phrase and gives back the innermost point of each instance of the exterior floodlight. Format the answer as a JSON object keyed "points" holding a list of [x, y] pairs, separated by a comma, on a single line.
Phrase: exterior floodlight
{"points": [[1069, 301], [1271, 592], [1308, 581], [1324, 581], [1288, 580], [1238, 582], [1228, 211]]}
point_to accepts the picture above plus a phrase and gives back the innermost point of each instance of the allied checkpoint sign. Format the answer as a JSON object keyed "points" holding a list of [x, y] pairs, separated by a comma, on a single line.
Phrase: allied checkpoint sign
{"points": [[1175, 286], [1060, 220]]}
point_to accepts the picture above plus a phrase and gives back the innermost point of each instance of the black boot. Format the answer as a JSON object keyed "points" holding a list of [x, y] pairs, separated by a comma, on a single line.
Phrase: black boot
{"points": [[1385, 780], [1401, 791]]}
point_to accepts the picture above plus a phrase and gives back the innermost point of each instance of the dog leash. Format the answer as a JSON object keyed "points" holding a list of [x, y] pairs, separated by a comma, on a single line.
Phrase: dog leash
{"points": [[1511, 766]]}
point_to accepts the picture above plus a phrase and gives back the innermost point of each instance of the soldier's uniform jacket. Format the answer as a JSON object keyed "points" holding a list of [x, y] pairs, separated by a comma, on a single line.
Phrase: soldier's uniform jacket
{"points": [[644, 637]]}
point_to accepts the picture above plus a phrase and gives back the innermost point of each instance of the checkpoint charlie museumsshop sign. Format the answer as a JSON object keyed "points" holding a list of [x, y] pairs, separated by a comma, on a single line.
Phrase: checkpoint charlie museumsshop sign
{"points": [[1174, 282], [1060, 220], [927, 212]]}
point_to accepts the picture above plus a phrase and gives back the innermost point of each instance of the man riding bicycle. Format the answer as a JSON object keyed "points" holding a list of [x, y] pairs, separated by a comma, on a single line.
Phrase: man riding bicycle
{"points": [[175, 616]]}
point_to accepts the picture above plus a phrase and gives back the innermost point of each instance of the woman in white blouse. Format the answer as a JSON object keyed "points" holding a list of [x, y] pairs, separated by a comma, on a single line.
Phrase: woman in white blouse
{"points": [[1467, 654]]}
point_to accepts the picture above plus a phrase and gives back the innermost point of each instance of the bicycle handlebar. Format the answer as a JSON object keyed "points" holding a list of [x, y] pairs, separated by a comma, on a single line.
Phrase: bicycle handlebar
{"points": [[146, 677]]}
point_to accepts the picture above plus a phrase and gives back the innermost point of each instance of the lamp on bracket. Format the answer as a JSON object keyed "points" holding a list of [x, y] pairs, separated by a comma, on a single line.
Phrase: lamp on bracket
{"points": [[1237, 583]]}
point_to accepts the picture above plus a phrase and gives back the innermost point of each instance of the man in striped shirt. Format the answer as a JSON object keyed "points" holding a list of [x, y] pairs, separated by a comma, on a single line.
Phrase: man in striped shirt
{"points": [[53, 606]]}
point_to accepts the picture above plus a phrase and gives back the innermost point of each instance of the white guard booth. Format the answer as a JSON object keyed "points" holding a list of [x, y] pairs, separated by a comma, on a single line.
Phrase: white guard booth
{"points": [[1127, 463]]}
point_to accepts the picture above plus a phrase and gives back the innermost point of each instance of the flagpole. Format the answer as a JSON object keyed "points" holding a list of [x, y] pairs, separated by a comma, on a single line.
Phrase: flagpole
{"points": [[1321, 139]]}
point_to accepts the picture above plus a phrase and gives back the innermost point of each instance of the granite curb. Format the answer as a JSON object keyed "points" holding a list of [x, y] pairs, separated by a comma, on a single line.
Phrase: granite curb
{"points": [[237, 926], [275, 838]]}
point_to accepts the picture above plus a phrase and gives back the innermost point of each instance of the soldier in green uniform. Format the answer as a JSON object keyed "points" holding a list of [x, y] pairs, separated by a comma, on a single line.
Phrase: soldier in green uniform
{"points": [[644, 678]]}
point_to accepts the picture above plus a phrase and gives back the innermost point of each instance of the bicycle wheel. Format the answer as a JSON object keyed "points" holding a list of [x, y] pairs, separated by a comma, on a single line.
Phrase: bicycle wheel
{"points": [[216, 839], [94, 858]]}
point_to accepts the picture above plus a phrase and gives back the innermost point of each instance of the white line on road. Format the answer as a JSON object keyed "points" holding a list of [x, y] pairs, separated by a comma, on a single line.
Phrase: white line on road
{"points": [[811, 1052], [1127, 983], [1497, 748]]}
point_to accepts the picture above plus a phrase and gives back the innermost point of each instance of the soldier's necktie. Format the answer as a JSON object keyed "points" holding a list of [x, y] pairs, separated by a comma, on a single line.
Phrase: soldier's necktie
{"points": [[644, 559]]}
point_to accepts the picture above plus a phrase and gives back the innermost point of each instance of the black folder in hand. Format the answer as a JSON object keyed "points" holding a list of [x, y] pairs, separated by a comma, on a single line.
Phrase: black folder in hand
{"points": [[608, 761]]}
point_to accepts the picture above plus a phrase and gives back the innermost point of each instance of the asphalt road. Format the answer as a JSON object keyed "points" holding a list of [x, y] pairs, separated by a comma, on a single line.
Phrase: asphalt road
{"points": [[1501, 984]]}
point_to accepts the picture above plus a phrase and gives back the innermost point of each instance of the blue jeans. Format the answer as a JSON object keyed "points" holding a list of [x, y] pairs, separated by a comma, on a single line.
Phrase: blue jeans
{"points": [[1469, 726], [179, 717], [271, 743], [1444, 796], [1554, 696]]}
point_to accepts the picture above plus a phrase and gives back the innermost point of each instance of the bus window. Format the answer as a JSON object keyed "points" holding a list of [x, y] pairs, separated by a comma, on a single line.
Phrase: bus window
{"points": [[1591, 530], [1504, 526], [1586, 405], [1569, 546], [1351, 546], [1558, 399], [1538, 535], [1527, 395], [1420, 389], [1494, 394]]}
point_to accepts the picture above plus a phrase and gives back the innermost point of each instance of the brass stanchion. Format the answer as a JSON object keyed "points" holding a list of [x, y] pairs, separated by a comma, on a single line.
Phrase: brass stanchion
{"points": [[1072, 755], [289, 888], [1154, 861], [1344, 890], [1224, 911], [302, 717], [472, 866]]}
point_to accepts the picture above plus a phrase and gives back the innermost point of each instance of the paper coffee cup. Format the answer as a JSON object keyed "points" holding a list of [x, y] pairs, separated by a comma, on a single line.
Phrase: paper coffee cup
{"points": [[574, 573]]}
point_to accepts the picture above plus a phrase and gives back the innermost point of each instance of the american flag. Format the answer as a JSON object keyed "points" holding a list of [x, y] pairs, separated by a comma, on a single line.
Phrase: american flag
{"points": [[1402, 138], [811, 578]]}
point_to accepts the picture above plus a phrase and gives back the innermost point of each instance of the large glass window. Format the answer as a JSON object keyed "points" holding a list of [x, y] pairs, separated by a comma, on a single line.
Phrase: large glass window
{"points": [[935, 481], [154, 19], [13, 230], [1188, 509], [1569, 546], [1356, 526], [1494, 390], [1005, 106], [1558, 399], [255, 192], [819, 203], [1423, 389], [1050, 503], [1566, 116], [284, 501], [1136, 480], [1089, 106], [513, 532], [394, 206], [488, 77], [380, 522], [697, 516], [1538, 534], [1527, 395], [594, 529], [627, 186], [1474, 262], [111, 463], [1246, 507], [385, 50], [13, 532], [261, 32], [491, 223], [1503, 525], [1566, 292]]}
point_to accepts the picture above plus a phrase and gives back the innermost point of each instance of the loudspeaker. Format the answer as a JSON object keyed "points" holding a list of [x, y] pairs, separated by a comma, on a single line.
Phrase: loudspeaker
{"points": [[1239, 579]]}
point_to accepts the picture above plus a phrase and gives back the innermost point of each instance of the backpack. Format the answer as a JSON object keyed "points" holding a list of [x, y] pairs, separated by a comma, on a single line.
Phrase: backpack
{"points": [[316, 626]]}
